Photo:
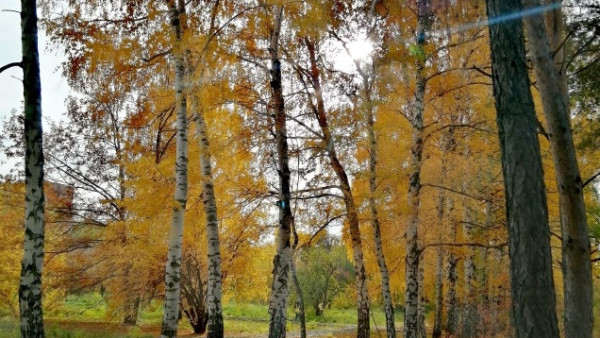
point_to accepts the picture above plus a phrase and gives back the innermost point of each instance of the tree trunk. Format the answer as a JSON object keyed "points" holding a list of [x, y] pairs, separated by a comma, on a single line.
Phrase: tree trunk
{"points": [[452, 315], [363, 328], [533, 297], [383, 269], [30, 285], [213, 293], [421, 303], [439, 267], [173, 267], [283, 258], [577, 275], [302, 312], [414, 189]]}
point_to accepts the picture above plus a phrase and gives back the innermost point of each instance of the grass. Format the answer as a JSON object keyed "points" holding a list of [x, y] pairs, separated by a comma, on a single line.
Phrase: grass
{"points": [[87, 315]]}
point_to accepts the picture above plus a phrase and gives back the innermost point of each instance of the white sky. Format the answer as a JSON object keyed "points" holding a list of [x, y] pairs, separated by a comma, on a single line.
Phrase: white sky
{"points": [[54, 86]]}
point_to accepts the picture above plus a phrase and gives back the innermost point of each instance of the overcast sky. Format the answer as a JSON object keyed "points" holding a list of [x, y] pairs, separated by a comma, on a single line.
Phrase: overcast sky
{"points": [[54, 86]]}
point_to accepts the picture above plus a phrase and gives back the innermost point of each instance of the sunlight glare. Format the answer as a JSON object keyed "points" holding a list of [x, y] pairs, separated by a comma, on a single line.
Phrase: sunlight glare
{"points": [[360, 49]]}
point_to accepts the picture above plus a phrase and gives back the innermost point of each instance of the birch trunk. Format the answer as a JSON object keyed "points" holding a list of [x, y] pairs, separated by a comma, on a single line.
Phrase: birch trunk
{"points": [[30, 285], [439, 267], [363, 328], [383, 269], [173, 267], [412, 245], [577, 275], [213, 292], [421, 303], [452, 316], [302, 313], [533, 297], [283, 258]]}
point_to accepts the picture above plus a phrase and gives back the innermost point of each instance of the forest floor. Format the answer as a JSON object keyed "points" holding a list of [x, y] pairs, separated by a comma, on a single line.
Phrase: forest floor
{"points": [[88, 316]]}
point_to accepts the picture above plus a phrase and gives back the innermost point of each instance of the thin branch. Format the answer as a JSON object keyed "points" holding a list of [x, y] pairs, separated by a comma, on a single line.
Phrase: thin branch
{"points": [[10, 65], [479, 198], [479, 245], [589, 180]]}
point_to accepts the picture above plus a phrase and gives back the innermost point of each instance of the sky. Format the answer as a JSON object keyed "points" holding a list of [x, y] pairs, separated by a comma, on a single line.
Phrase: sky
{"points": [[54, 85]]}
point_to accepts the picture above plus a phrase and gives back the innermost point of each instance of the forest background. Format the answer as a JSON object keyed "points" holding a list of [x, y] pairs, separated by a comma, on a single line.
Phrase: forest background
{"points": [[110, 160]]}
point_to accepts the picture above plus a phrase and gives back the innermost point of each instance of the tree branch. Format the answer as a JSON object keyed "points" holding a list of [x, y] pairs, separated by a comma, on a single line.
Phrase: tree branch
{"points": [[10, 65], [589, 180]]}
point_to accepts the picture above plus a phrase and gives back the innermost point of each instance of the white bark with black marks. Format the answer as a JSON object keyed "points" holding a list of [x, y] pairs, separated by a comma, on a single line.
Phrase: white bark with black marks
{"points": [[30, 285], [173, 266]]}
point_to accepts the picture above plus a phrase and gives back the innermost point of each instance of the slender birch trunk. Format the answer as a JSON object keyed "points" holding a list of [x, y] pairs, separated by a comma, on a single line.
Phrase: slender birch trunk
{"points": [[451, 277], [421, 303], [173, 267], [412, 242], [532, 283], [300, 300], [577, 275], [30, 285], [383, 269], [363, 327], [283, 258], [213, 292], [439, 267]]}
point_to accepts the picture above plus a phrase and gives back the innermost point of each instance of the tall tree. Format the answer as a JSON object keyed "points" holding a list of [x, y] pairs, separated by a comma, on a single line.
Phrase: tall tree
{"points": [[416, 119], [173, 266], [533, 295], [30, 287], [283, 258], [363, 328], [551, 81]]}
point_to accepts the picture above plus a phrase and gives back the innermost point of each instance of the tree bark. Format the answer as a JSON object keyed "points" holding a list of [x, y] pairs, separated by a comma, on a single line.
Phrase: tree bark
{"points": [[532, 284], [173, 267], [439, 267], [414, 189], [30, 285], [363, 328], [577, 275], [283, 258], [383, 269], [213, 293], [451, 277]]}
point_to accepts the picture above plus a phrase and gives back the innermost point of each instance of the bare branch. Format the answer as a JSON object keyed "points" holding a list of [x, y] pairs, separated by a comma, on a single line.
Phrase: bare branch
{"points": [[10, 65]]}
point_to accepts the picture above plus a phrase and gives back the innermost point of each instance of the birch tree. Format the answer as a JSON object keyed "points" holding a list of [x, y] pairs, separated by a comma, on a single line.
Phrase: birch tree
{"points": [[30, 287], [551, 81], [282, 260], [533, 297], [173, 266], [416, 119]]}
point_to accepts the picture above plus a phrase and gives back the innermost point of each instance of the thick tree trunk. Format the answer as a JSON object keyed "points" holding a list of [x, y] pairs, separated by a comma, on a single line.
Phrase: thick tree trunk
{"points": [[173, 267], [30, 286], [363, 327], [412, 243], [383, 269], [577, 275], [533, 297], [283, 258]]}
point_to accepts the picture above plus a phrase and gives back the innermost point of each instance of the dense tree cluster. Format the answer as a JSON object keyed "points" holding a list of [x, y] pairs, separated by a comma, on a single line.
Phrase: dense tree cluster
{"points": [[435, 158]]}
